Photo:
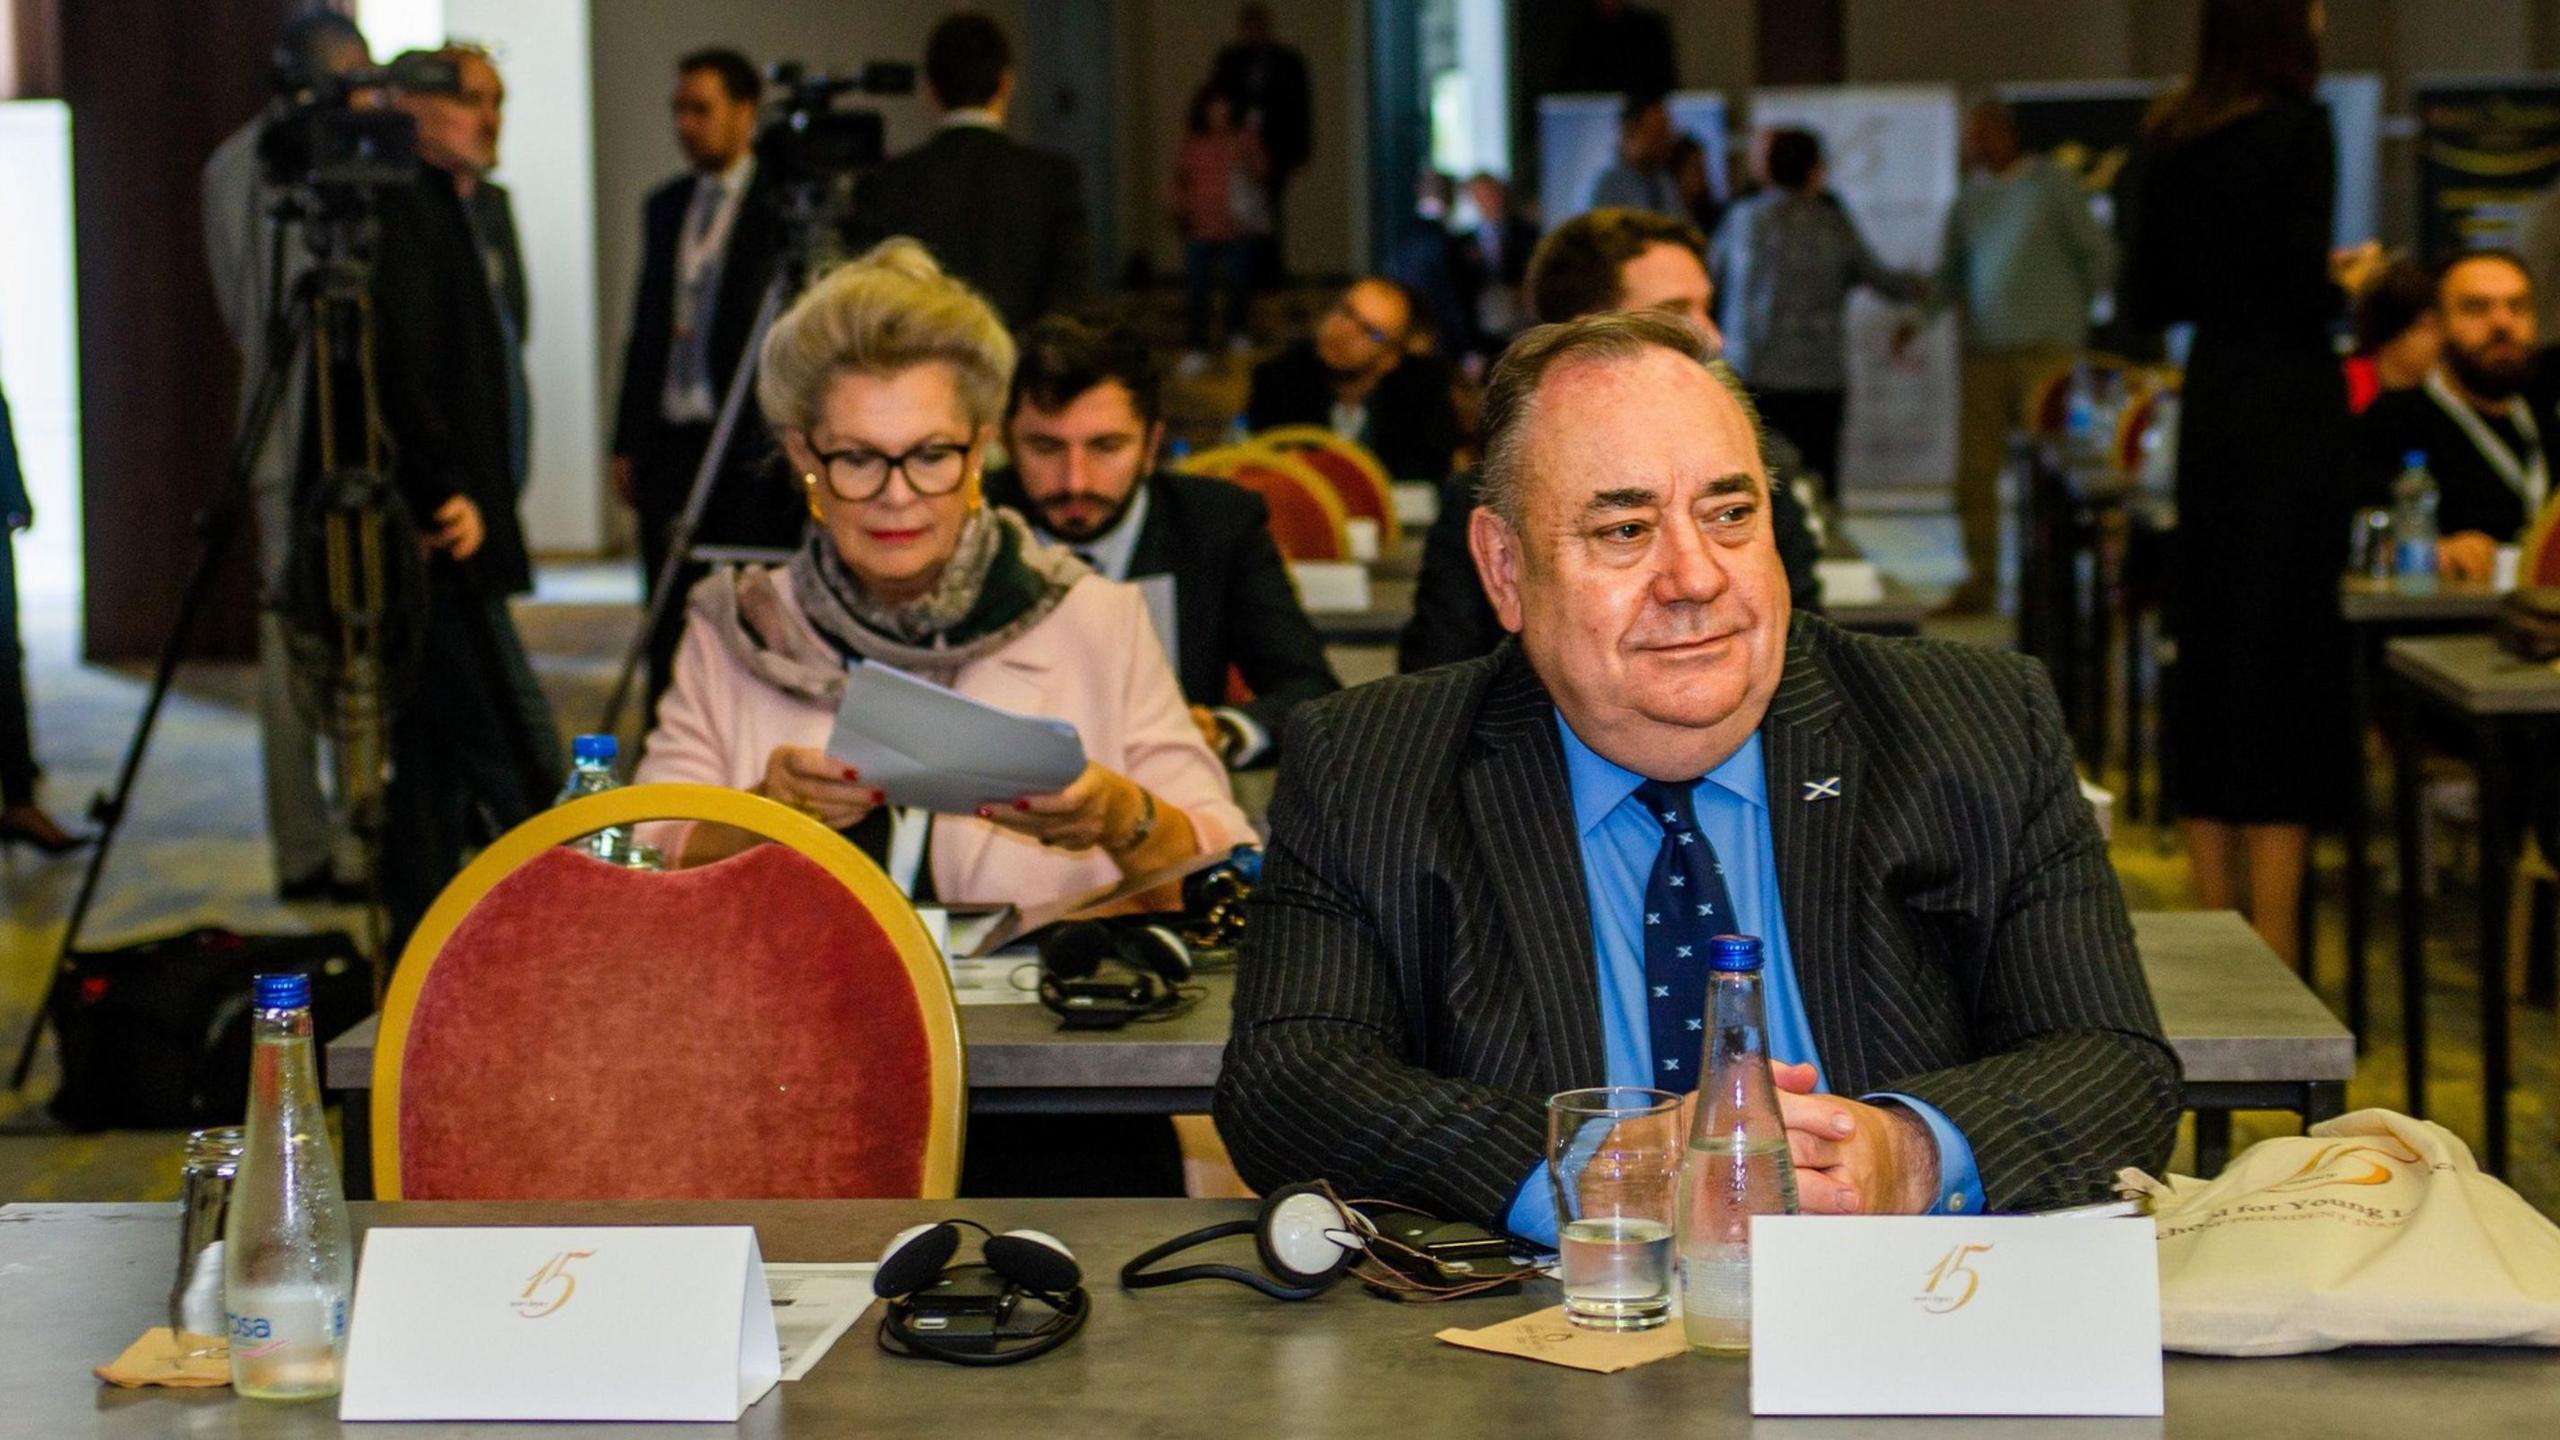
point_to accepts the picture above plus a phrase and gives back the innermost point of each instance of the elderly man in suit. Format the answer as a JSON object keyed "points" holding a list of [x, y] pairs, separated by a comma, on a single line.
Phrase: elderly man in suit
{"points": [[1467, 904], [1006, 217], [711, 239], [1084, 428]]}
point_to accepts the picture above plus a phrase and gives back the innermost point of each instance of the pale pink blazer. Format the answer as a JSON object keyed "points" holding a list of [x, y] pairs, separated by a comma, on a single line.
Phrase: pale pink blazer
{"points": [[1093, 662]]}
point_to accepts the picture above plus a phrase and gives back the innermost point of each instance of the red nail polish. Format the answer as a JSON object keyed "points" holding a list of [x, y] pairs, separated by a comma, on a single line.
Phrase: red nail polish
{"points": [[1021, 804], [852, 774], [879, 797]]}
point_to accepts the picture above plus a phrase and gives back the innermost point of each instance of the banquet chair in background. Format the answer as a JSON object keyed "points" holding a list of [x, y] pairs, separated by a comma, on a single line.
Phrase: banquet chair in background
{"points": [[1307, 518], [773, 1025], [1358, 480]]}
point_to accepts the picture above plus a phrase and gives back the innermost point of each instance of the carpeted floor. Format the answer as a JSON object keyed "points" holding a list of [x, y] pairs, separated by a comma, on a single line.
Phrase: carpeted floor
{"points": [[194, 852]]}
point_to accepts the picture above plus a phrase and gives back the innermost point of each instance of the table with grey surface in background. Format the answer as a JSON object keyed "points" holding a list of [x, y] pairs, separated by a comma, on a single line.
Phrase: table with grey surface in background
{"points": [[84, 1280], [2463, 688], [2249, 1035], [1899, 612], [2376, 608]]}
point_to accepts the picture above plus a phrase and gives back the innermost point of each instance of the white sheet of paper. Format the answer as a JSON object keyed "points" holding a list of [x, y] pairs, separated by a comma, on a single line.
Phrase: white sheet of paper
{"points": [[1331, 584], [1998, 1315], [591, 1322], [938, 750], [1000, 979], [1160, 594], [813, 1305]]}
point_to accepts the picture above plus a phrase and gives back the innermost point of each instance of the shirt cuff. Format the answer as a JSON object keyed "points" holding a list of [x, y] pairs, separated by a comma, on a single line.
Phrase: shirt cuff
{"points": [[1959, 1183], [1251, 739], [1532, 1216]]}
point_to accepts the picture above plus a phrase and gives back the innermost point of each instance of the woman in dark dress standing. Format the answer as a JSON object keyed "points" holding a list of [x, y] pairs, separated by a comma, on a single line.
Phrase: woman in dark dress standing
{"points": [[2229, 230]]}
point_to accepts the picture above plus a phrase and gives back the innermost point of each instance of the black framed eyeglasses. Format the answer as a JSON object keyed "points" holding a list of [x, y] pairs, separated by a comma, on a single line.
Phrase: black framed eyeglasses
{"points": [[933, 468]]}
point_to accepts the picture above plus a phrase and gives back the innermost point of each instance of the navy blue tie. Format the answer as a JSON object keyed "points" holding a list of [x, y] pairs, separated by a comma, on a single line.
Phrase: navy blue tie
{"points": [[1685, 903]]}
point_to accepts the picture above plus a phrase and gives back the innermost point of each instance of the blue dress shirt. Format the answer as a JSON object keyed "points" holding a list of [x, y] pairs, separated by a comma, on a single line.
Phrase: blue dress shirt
{"points": [[1619, 842]]}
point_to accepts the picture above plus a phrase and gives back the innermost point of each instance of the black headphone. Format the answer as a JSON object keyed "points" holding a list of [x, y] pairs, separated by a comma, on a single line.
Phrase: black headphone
{"points": [[1308, 1238], [962, 1314], [1102, 974]]}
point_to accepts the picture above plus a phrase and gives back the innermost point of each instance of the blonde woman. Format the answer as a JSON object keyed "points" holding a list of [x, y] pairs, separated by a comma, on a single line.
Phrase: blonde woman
{"points": [[884, 383]]}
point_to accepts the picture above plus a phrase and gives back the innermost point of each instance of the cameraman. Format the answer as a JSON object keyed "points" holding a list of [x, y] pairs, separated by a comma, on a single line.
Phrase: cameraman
{"points": [[256, 261], [473, 747]]}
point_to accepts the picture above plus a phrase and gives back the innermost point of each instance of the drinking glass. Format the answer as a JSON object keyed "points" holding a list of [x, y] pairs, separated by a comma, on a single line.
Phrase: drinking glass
{"points": [[1613, 1155], [195, 1297]]}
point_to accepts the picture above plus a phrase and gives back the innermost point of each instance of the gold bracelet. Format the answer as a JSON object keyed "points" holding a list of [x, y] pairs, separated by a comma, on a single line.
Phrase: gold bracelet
{"points": [[1146, 825]]}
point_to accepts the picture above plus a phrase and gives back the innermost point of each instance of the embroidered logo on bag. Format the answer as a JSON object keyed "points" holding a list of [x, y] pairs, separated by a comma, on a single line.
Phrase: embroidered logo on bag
{"points": [[2361, 1164]]}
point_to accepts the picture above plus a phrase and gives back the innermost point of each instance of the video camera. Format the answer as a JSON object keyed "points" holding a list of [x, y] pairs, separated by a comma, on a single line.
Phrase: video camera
{"points": [[813, 141], [316, 136]]}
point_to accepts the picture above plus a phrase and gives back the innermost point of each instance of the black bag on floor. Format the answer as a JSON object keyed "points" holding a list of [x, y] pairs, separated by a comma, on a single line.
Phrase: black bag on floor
{"points": [[155, 1036]]}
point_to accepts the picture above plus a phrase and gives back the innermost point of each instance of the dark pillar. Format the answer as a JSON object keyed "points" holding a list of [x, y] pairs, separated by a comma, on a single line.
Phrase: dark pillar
{"points": [[153, 86]]}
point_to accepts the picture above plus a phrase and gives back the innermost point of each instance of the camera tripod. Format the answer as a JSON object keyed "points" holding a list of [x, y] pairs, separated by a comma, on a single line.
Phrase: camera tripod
{"points": [[351, 515], [810, 209]]}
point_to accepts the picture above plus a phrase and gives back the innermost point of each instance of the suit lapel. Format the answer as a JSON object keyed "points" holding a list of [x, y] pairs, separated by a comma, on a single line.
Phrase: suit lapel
{"points": [[1513, 786], [1813, 763]]}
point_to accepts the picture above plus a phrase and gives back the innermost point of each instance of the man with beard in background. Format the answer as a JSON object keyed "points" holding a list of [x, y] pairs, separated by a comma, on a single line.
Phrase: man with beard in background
{"points": [[2478, 418]]}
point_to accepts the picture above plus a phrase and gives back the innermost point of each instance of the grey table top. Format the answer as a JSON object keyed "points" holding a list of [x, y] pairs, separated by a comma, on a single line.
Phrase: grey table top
{"points": [[2367, 600], [2473, 675], [2232, 1010], [1198, 1359]]}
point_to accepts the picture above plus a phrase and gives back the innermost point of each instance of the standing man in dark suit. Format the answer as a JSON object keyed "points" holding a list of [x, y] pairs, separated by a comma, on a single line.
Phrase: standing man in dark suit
{"points": [[1359, 377], [1266, 82], [1084, 429], [711, 240], [473, 748], [1510, 903], [1002, 215]]}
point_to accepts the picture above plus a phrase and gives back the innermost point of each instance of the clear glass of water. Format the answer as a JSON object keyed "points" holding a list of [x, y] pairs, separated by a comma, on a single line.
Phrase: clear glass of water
{"points": [[1613, 1155]]}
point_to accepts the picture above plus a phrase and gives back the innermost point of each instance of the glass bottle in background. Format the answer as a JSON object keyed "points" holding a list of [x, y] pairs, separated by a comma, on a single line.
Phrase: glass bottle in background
{"points": [[288, 1258], [1737, 1165], [2413, 518], [591, 759]]}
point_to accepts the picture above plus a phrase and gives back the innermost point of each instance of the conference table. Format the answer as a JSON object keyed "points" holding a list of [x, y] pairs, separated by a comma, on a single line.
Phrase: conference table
{"points": [[2377, 609], [84, 1280], [1898, 611], [2247, 1032], [2502, 711]]}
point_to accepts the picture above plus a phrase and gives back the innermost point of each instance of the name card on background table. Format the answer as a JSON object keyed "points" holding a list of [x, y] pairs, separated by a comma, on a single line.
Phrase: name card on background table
{"points": [[592, 1322], [1921, 1315]]}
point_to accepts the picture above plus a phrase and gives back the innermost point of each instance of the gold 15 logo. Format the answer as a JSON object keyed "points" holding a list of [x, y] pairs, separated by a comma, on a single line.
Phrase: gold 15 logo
{"points": [[1939, 1298], [551, 1286]]}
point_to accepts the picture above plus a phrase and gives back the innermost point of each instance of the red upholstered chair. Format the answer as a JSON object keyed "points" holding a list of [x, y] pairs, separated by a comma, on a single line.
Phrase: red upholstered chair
{"points": [[1306, 516], [1358, 480], [775, 1025], [2541, 560]]}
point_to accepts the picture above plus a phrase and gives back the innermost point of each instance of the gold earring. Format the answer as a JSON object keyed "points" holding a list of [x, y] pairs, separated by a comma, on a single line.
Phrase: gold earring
{"points": [[809, 483]]}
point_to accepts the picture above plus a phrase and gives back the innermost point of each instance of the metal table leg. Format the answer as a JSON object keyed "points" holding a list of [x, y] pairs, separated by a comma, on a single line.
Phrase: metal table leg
{"points": [[2413, 904], [2359, 824], [2498, 842]]}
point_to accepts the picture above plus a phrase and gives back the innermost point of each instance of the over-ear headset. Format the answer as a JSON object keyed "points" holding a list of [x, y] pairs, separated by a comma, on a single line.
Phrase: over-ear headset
{"points": [[1102, 974], [1308, 1238], [964, 1314]]}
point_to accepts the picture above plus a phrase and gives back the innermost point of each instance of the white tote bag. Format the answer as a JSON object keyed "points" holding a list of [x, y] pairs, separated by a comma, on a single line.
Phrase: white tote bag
{"points": [[2373, 1229]]}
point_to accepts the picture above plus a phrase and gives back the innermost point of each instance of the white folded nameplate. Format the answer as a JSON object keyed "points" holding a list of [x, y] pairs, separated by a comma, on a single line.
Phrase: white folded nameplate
{"points": [[1331, 585], [1995, 1316], [589, 1322]]}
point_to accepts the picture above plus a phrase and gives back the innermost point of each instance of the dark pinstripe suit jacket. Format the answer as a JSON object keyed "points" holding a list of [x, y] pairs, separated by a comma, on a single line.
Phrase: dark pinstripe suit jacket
{"points": [[1417, 974]]}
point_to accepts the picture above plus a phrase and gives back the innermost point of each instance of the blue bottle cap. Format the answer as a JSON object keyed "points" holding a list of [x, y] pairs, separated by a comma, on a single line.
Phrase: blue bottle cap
{"points": [[594, 747], [283, 992], [1734, 954], [2414, 460]]}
